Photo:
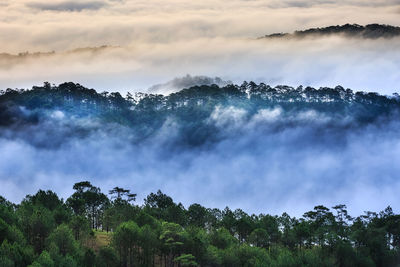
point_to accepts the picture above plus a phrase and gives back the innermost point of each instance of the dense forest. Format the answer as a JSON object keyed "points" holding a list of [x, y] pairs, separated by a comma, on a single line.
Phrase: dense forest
{"points": [[93, 229], [370, 31], [192, 110]]}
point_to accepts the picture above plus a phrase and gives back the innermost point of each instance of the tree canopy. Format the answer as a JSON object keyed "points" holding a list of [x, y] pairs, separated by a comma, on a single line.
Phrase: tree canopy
{"points": [[92, 229]]}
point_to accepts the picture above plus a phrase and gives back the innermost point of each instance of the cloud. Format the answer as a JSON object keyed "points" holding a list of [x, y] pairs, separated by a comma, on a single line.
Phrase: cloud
{"points": [[158, 41], [67, 5], [370, 65], [130, 22], [257, 165], [270, 161], [228, 117], [335, 3]]}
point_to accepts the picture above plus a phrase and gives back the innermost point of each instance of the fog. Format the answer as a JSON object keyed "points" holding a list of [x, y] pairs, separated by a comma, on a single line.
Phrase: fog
{"points": [[269, 162], [152, 42], [265, 162], [370, 65]]}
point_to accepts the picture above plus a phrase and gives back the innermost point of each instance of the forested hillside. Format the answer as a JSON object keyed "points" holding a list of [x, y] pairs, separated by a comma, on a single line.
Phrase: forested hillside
{"points": [[93, 229], [370, 31], [198, 112], [204, 136]]}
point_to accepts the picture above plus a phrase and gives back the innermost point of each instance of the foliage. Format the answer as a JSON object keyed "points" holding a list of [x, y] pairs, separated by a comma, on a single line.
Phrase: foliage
{"points": [[191, 109], [145, 236]]}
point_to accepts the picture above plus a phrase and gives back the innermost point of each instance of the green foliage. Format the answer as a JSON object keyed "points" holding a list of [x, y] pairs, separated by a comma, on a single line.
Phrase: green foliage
{"points": [[18, 254], [186, 260], [80, 227], [196, 241], [30, 234], [89, 258], [259, 238], [197, 215], [63, 239], [171, 235], [44, 260], [36, 223], [126, 239], [67, 261], [145, 114], [88, 200], [222, 239], [149, 243], [285, 258], [107, 257]]}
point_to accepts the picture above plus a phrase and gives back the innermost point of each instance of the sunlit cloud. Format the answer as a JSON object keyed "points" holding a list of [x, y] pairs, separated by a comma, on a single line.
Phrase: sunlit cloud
{"points": [[369, 65]]}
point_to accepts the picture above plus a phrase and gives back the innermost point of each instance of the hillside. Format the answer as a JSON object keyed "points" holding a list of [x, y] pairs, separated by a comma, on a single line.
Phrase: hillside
{"points": [[194, 111], [370, 31]]}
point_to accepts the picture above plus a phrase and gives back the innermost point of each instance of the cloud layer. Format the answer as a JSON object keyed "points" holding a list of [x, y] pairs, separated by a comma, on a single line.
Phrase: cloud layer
{"points": [[258, 173], [265, 160], [160, 40], [153, 41], [69, 6], [370, 65]]}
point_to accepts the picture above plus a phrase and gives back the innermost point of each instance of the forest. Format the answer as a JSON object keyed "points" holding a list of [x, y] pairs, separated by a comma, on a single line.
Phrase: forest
{"points": [[92, 228], [211, 133], [95, 228], [195, 118], [192, 110]]}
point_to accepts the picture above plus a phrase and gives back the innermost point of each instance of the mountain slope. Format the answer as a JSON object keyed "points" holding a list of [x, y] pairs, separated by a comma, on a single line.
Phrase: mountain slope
{"points": [[199, 114], [370, 31]]}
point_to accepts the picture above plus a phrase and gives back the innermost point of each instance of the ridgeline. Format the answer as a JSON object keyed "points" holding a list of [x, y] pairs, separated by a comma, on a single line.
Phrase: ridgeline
{"points": [[370, 31]]}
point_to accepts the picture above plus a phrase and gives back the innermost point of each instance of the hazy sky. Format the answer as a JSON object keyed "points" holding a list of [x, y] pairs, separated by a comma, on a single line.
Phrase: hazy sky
{"points": [[156, 41]]}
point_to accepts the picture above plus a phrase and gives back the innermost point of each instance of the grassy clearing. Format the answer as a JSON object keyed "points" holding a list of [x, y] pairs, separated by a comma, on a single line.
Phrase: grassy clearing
{"points": [[100, 239]]}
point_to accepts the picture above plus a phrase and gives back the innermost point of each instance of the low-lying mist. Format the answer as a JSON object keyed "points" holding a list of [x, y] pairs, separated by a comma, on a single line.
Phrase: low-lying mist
{"points": [[150, 42], [370, 65], [270, 159]]}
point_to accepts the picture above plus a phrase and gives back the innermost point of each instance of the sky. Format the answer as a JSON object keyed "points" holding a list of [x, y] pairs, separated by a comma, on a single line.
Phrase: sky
{"points": [[152, 42], [161, 46]]}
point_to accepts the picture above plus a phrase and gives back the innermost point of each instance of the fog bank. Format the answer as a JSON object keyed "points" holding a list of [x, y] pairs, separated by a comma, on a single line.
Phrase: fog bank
{"points": [[270, 162]]}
